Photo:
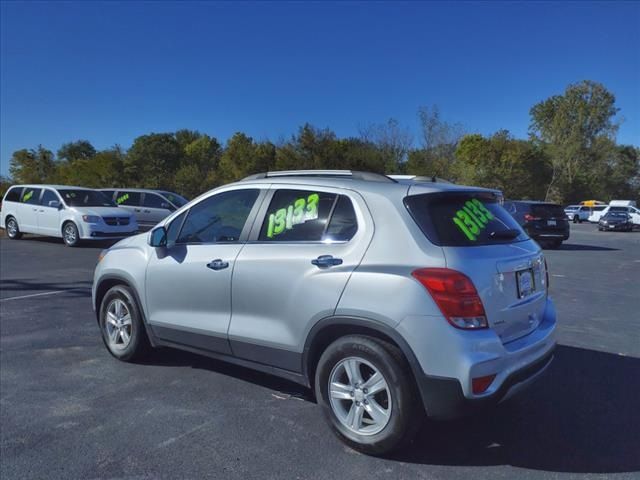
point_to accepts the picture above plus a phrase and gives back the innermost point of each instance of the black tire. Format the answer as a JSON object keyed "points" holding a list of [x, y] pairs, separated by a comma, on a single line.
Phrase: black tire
{"points": [[576, 219], [138, 346], [406, 411], [555, 244], [70, 234], [12, 229]]}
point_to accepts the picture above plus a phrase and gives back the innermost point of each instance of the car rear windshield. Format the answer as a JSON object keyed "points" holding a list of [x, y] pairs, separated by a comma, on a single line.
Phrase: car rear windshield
{"points": [[85, 198], [464, 219], [547, 210]]}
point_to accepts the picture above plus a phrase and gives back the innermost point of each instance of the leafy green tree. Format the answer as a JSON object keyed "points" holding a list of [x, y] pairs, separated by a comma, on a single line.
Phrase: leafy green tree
{"points": [[185, 137], [311, 148], [437, 156], [104, 169], [32, 166], [78, 150], [619, 175], [153, 160], [243, 157], [571, 127], [390, 140], [5, 183], [517, 167]]}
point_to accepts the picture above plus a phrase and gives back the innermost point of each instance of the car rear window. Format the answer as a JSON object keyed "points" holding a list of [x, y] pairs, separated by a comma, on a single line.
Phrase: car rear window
{"points": [[13, 195], [464, 219], [547, 210]]}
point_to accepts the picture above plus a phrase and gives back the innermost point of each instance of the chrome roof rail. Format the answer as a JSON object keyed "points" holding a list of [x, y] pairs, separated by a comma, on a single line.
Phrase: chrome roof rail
{"points": [[356, 175]]}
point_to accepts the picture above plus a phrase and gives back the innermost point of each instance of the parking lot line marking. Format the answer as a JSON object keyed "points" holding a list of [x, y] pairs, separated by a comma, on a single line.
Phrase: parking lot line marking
{"points": [[32, 295]]}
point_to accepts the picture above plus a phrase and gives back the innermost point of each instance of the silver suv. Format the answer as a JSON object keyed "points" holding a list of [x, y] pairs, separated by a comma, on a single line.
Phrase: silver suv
{"points": [[389, 298]]}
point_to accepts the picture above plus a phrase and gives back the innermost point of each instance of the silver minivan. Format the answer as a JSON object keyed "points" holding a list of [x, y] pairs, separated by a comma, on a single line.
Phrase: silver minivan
{"points": [[148, 206], [388, 298]]}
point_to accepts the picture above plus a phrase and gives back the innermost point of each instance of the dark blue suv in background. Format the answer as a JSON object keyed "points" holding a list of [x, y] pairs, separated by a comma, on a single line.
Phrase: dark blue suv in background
{"points": [[546, 223]]}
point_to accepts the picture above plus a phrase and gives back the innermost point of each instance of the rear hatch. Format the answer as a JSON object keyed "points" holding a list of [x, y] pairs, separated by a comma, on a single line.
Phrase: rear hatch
{"points": [[547, 217], [482, 240]]}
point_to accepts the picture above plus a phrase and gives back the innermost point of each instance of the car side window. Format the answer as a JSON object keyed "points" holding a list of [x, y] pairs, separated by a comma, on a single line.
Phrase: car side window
{"points": [[108, 193], [218, 218], [343, 224], [173, 229], [31, 196], [129, 198], [297, 216], [48, 196], [13, 195], [152, 200]]}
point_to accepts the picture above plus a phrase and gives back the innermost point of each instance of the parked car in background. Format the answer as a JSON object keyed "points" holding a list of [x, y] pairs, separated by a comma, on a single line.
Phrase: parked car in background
{"points": [[616, 220], [545, 222], [72, 213], [148, 206], [292, 273], [627, 206], [578, 213]]}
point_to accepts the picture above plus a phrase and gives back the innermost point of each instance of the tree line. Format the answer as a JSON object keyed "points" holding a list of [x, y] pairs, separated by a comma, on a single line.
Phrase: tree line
{"points": [[571, 154]]}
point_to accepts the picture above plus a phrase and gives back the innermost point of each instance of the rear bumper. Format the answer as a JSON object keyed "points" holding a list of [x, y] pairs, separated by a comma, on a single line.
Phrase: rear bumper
{"points": [[450, 359], [443, 398], [550, 235]]}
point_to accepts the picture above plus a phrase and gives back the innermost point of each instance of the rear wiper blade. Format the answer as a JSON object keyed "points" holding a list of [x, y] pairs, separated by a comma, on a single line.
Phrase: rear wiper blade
{"points": [[505, 234]]}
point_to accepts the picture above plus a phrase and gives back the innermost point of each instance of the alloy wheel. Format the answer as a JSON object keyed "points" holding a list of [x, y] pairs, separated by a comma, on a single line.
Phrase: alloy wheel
{"points": [[12, 228], [70, 234], [359, 396], [118, 325]]}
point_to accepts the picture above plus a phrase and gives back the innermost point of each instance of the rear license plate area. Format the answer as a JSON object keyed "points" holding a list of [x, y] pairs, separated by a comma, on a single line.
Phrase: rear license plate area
{"points": [[526, 282], [551, 223]]}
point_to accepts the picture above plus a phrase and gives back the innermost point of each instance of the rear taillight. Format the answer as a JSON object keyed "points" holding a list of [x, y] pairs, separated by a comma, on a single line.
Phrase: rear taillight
{"points": [[455, 295], [530, 218]]}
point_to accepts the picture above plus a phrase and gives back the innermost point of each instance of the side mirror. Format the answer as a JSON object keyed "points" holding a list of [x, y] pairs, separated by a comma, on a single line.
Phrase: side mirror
{"points": [[158, 237], [54, 204]]}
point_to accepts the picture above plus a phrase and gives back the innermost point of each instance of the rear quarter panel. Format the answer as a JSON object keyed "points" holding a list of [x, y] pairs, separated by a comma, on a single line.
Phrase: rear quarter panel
{"points": [[382, 287]]}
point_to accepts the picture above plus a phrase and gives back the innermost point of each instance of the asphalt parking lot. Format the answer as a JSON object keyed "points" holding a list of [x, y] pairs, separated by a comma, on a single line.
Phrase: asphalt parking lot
{"points": [[70, 410]]}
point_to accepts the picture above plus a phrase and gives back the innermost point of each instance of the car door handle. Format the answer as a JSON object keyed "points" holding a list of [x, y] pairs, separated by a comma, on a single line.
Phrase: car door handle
{"points": [[217, 264], [137, 210], [325, 261]]}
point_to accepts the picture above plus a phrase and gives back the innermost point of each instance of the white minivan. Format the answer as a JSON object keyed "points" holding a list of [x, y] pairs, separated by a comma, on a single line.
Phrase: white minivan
{"points": [[72, 213], [149, 206], [625, 206]]}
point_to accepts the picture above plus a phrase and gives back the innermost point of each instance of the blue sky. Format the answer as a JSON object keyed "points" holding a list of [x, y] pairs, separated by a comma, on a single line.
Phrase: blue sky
{"points": [[109, 71]]}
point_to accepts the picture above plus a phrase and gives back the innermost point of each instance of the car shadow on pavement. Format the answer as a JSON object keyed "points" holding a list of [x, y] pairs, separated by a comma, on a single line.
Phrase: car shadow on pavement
{"points": [[584, 248], [82, 244], [177, 358], [581, 416]]}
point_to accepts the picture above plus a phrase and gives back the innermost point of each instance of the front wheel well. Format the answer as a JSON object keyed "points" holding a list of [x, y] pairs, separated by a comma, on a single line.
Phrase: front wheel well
{"points": [[103, 287], [329, 334], [64, 223]]}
